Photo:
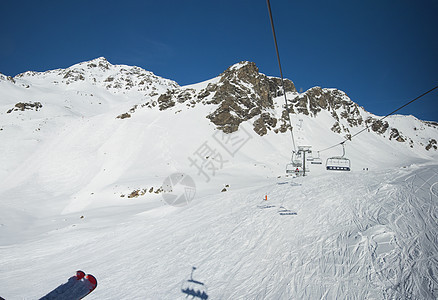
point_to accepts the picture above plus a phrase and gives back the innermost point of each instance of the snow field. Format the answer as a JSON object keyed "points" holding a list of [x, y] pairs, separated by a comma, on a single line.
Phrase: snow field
{"points": [[357, 235], [64, 169]]}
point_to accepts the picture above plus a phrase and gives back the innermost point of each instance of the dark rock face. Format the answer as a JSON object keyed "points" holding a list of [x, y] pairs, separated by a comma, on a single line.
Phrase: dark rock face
{"points": [[265, 122], [241, 93], [317, 99], [432, 145], [336, 128], [395, 134], [165, 101], [7, 78], [123, 116], [376, 125], [21, 106]]}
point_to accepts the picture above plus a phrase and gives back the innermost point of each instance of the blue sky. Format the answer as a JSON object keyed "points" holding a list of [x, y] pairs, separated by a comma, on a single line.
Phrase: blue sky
{"points": [[381, 53]]}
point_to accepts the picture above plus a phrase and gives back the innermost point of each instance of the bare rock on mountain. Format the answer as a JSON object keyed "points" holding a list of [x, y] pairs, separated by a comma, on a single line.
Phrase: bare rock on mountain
{"points": [[165, 101], [377, 125], [431, 145], [240, 93], [395, 134], [317, 99], [21, 106], [263, 123], [243, 93]]}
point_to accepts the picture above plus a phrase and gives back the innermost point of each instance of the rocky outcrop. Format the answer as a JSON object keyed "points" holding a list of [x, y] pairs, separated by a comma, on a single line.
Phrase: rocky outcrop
{"points": [[165, 101], [124, 116], [317, 99], [431, 145], [243, 93], [21, 106], [395, 134], [264, 123], [7, 78], [240, 94], [377, 125]]}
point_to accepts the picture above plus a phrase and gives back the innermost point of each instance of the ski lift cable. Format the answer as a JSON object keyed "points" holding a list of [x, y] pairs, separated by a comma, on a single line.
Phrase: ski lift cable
{"points": [[281, 72], [382, 118]]}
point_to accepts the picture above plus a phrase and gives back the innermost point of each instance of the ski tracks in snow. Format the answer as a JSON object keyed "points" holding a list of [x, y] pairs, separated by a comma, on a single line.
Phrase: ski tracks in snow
{"points": [[356, 235], [398, 227], [415, 223], [377, 239]]}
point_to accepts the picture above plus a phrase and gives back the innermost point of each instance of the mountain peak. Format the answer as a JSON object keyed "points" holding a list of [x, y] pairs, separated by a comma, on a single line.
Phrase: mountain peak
{"points": [[100, 72], [240, 70], [243, 64], [100, 62], [241, 93], [99, 59]]}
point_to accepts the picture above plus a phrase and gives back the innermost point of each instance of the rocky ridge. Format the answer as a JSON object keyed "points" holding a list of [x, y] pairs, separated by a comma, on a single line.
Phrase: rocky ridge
{"points": [[243, 94], [240, 94], [99, 72]]}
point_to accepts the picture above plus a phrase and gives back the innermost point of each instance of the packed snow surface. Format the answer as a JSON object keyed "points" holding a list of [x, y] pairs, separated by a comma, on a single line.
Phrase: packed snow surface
{"points": [[80, 190], [355, 235]]}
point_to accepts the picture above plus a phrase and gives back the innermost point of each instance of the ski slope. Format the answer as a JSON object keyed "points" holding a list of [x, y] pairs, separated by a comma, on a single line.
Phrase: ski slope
{"points": [[67, 172], [361, 235]]}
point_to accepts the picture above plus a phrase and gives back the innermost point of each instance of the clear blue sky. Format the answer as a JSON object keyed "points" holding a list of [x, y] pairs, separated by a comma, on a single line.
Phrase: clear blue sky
{"points": [[381, 53]]}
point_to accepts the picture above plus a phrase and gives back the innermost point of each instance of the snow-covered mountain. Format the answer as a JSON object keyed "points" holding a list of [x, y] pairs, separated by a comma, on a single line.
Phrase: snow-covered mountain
{"points": [[87, 150], [91, 102], [99, 72]]}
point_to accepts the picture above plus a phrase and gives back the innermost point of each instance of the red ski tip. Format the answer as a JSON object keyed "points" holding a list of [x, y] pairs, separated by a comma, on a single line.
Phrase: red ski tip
{"points": [[91, 279], [80, 274]]}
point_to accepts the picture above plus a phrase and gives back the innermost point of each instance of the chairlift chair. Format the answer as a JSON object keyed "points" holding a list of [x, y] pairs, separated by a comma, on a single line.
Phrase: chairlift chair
{"points": [[338, 163], [316, 160], [296, 164]]}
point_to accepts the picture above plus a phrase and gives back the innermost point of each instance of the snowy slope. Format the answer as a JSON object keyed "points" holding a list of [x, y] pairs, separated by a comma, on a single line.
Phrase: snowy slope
{"points": [[365, 235], [79, 189]]}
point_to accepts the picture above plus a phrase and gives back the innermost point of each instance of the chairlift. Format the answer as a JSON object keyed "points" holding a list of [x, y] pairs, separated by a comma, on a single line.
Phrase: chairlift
{"points": [[338, 163], [296, 165], [194, 288], [316, 160], [293, 169]]}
